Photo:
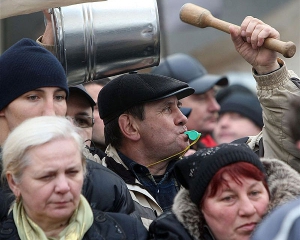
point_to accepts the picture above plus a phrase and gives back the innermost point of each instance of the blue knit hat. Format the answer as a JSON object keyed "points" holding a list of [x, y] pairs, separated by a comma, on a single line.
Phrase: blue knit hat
{"points": [[26, 66]]}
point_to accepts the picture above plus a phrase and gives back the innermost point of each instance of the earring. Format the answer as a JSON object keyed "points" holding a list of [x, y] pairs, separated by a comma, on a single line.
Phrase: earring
{"points": [[18, 198]]}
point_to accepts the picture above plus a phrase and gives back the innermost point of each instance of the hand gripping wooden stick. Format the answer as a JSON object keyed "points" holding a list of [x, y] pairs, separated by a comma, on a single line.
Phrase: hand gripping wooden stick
{"points": [[201, 17]]}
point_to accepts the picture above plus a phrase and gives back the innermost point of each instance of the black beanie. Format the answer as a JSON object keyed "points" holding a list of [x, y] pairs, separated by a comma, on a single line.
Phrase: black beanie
{"points": [[231, 89], [195, 172], [245, 104], [26, 66], [130, 90]]}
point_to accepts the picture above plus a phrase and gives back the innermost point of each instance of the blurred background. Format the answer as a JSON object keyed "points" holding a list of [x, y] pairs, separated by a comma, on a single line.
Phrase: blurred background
{"points": [[211, 47]]}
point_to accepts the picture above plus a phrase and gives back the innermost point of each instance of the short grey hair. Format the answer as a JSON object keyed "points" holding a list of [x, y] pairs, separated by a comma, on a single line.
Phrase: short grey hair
{"points": [[34, 132]]}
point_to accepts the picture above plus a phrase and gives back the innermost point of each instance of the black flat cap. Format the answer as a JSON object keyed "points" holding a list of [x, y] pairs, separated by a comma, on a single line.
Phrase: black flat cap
{"points": [[130, 90]]}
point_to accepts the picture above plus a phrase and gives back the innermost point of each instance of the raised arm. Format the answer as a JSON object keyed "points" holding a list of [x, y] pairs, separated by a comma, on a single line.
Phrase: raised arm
{"points": [[276, 86]]}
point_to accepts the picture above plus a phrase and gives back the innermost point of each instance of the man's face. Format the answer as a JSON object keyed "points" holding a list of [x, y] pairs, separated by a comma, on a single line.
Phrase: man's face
{"points": [[204, 114], [98, 128], [162, 130], [46, 101], [232, 126], [78, 107]]}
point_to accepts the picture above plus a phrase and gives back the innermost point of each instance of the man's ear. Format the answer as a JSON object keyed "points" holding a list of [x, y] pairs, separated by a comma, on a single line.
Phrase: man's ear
{"points": [[298, 145], [12, 184], [129, 127]]}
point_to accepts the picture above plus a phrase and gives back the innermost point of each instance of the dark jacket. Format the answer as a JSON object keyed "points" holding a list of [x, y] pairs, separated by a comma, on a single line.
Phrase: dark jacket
{"points": [[103, 189], [112, 226], [186, 222]]}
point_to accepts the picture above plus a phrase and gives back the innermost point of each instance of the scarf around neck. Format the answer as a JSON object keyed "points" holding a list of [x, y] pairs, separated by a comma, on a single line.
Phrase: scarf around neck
{"points": [[79, 223]]}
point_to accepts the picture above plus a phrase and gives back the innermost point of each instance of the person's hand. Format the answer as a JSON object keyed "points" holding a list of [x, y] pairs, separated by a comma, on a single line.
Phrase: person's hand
{"points": [[48, 36], [248, 41]]}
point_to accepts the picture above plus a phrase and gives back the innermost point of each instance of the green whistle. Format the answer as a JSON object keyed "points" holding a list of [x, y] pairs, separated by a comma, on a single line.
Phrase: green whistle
{"points": [[193, 134]]}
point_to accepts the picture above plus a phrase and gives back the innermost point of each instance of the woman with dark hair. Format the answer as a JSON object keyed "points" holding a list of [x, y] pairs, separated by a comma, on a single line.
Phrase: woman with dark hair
{"points": [[227, 190]]}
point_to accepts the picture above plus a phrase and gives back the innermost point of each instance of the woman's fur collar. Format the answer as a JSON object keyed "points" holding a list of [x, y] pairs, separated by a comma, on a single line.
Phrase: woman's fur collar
{"points": [[283, 182], [284, 185]]}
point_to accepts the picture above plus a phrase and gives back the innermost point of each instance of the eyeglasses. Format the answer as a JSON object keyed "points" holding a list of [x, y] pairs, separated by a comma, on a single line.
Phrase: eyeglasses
{"points": [[82, 121]]}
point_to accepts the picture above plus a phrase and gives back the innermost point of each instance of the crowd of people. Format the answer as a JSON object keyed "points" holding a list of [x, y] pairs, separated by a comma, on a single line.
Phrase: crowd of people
{"points": [[108, 159]]}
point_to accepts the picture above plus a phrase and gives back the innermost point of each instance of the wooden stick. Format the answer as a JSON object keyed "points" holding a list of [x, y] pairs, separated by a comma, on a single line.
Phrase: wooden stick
{"points": [[202, 18]]}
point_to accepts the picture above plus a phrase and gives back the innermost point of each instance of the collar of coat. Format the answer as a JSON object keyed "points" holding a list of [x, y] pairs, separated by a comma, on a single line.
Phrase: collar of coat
{"points": [[283, 182]]}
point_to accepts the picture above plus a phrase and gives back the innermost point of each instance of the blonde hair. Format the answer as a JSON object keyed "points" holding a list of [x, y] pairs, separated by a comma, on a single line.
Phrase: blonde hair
{"points": [[34, 132]]}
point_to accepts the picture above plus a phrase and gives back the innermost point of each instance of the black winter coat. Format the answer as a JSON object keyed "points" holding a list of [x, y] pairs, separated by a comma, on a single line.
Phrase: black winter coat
{"points": [[105, 190], [110, 226]]}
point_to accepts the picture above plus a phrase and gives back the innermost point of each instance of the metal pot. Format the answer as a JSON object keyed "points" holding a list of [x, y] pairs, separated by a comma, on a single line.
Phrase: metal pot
{"points": [[102, 39]]}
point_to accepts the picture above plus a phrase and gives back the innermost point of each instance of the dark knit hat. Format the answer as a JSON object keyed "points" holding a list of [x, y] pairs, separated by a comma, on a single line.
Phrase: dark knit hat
{"points": [[195, 172], [245, 104], [133, 89], [187, 69], [81, 90], [26, 66], [231, 89], [186, 111]]}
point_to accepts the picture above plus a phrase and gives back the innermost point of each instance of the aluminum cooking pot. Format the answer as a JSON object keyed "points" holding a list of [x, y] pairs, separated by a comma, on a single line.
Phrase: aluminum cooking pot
{"points": [[102, 39]]}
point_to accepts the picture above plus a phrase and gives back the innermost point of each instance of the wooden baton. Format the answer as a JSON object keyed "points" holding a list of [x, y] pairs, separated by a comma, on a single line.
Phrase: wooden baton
{"points": [[202, 18]]}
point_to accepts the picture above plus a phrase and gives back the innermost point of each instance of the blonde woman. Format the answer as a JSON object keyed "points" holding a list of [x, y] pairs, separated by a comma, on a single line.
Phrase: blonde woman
{"points": [[44, 167]]}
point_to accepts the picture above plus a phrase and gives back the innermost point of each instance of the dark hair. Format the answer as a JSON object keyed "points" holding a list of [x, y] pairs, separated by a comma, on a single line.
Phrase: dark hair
{"points": [[112, 131], [236, 171], [293, 119]]}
